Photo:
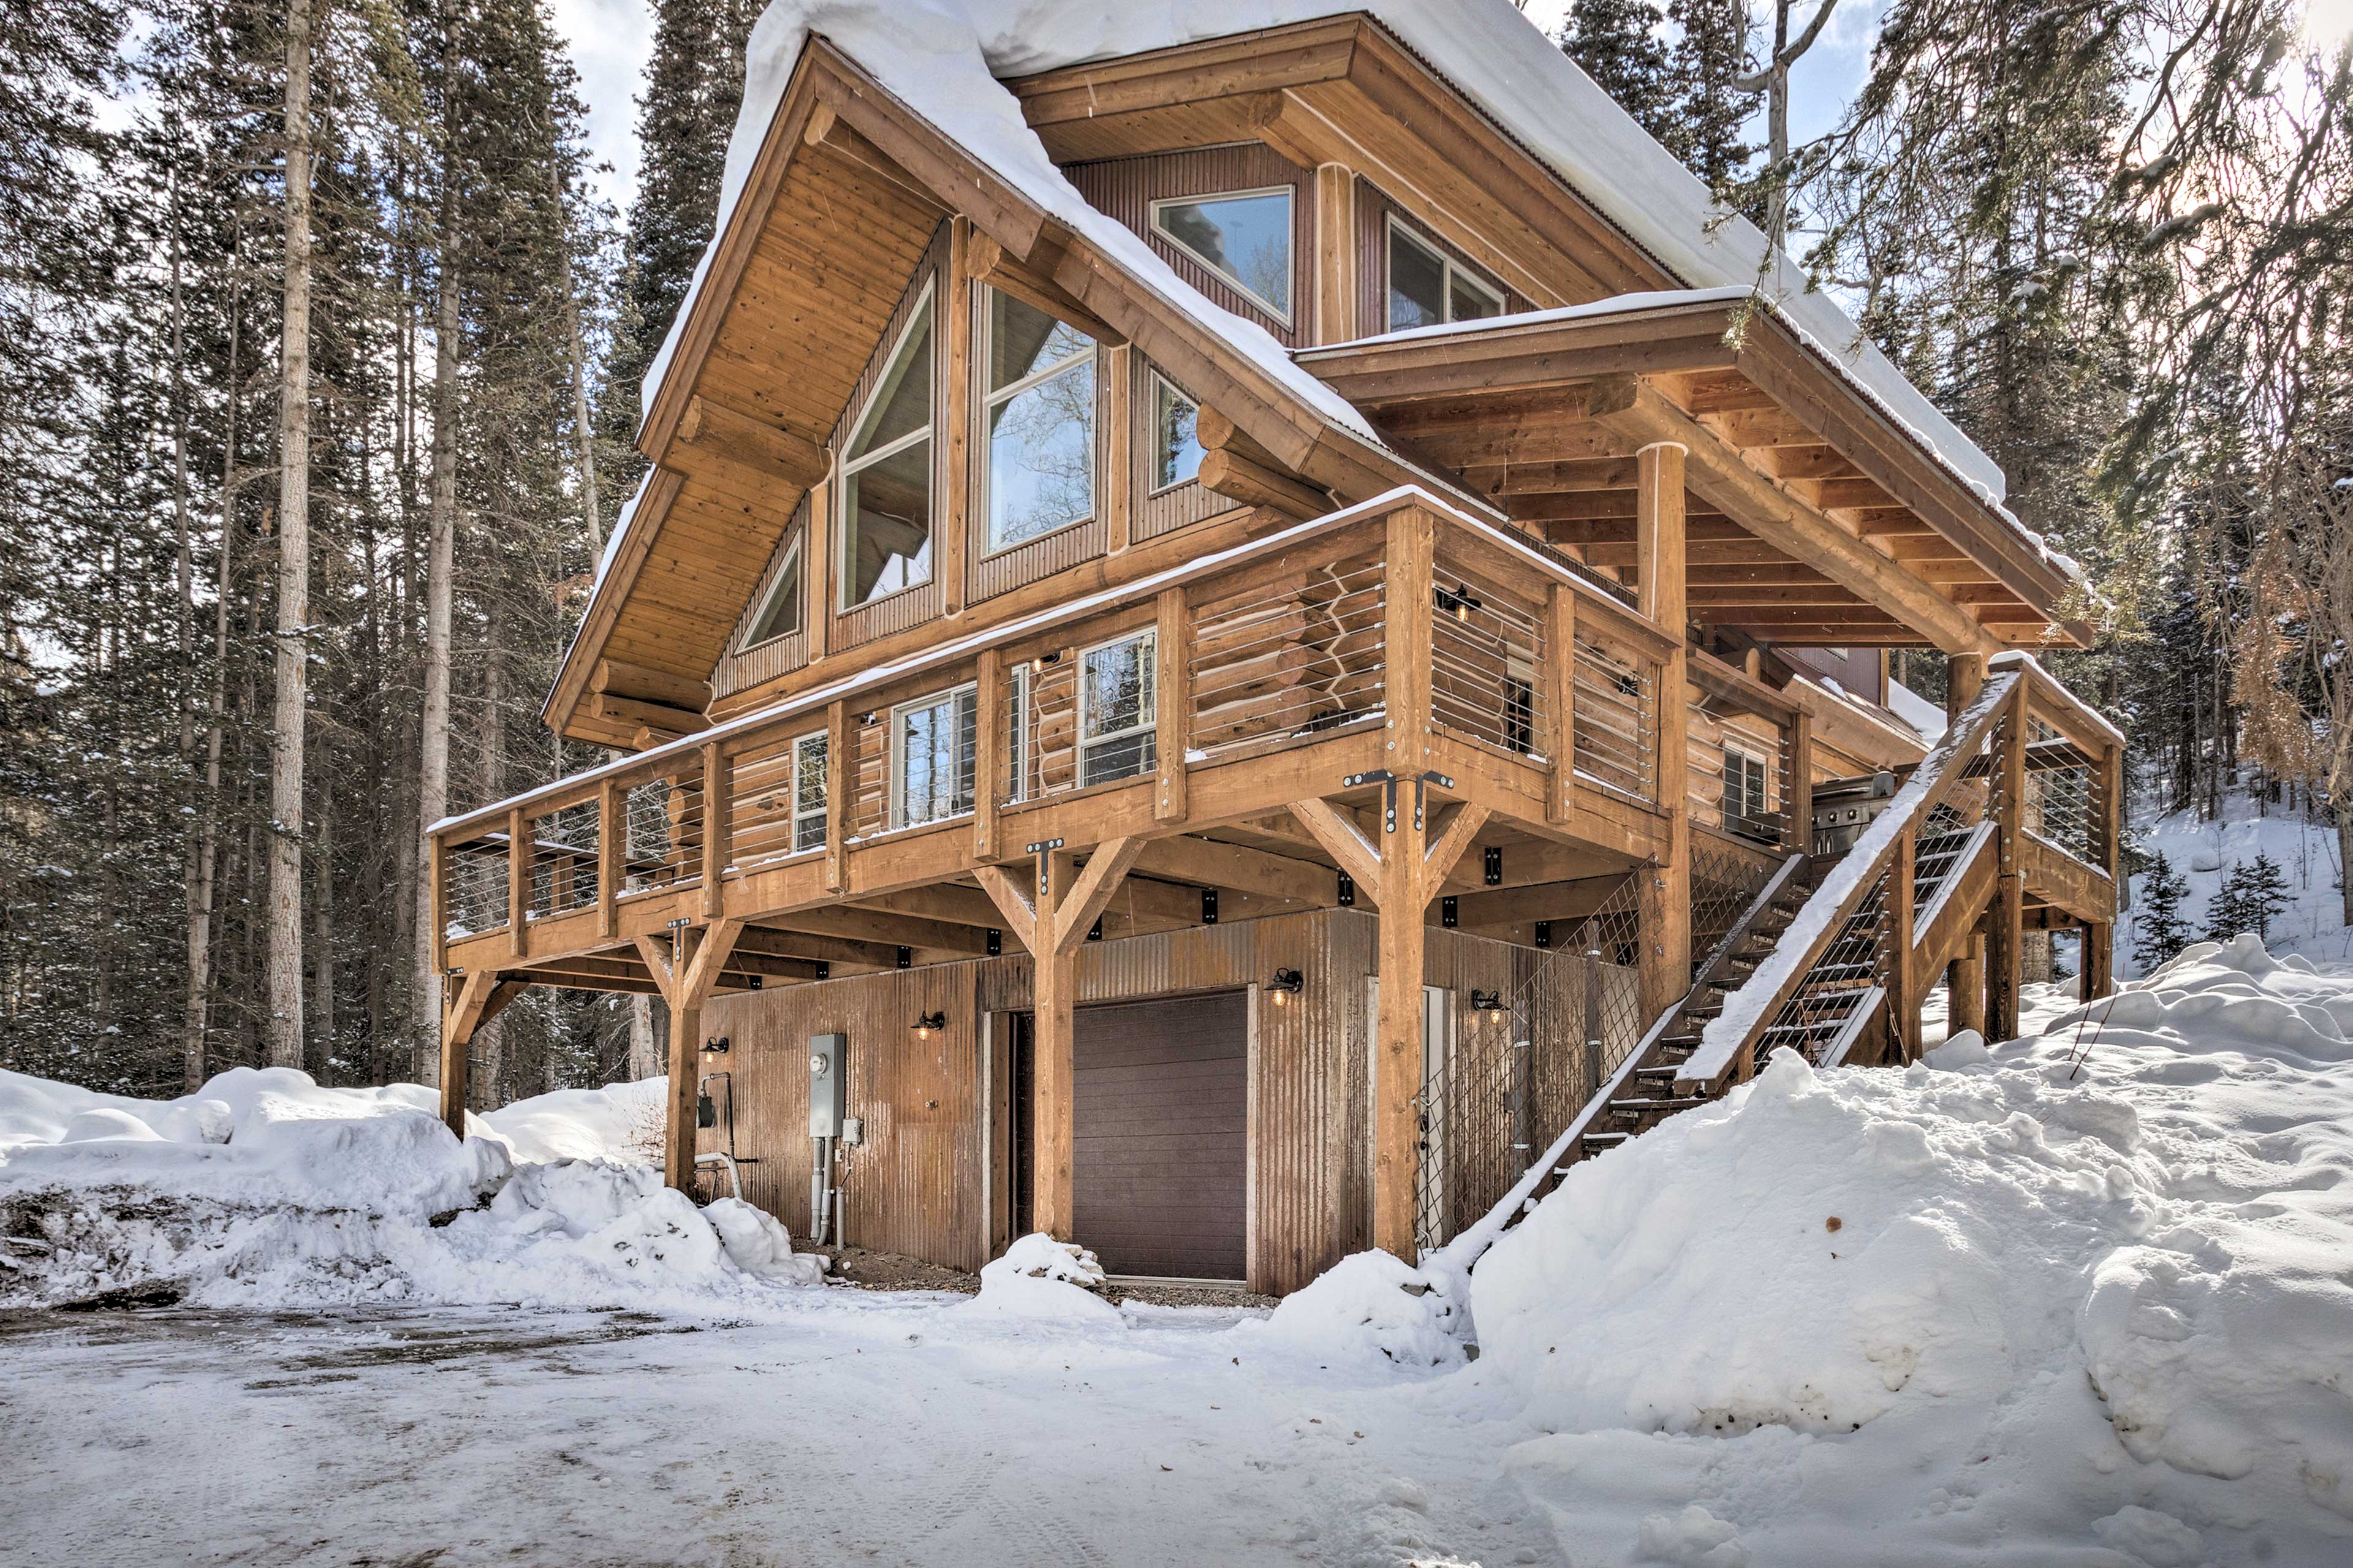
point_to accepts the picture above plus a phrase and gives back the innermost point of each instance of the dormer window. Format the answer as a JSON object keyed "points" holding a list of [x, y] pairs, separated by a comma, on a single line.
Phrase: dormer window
{"points": [[1244, 239], [1037, 395], [886, 469], [780, 612], [1427, 288]]}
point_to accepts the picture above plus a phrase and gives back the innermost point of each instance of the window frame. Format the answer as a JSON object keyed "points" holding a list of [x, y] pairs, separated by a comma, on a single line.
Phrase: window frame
{"points": [[897, 758], [1395, 229], [1744, 819], [985, 401], [1290, 195], [1147, 707], [822, 814], [788, 565], [923, 315], [1155, 383]]}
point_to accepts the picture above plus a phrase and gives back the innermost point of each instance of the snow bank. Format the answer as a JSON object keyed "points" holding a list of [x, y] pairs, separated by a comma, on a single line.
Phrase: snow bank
{"points": [[620, 1122], [267, 1189], [1040, 1278], [2206, 851], [2001, 1302], [1370, 1305]]}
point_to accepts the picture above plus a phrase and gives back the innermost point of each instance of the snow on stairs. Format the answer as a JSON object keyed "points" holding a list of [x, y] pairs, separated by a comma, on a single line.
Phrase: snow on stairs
{"points": [[1641, 1093]]}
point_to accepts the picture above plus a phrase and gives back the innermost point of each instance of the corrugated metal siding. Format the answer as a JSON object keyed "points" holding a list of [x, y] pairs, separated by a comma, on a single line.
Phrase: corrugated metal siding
{"points": [[1125, 188]]}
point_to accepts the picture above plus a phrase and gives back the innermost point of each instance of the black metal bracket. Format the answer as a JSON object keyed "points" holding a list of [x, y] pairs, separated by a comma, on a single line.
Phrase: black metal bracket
{"points": [[1388, 782], [1043, 848]]}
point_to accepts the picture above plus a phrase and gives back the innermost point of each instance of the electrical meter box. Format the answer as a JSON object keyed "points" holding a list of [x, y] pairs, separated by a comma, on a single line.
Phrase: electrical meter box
{"points": [[828, 1094]]}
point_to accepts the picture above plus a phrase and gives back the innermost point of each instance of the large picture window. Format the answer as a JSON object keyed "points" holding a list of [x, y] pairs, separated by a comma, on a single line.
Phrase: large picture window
{"points": [[1427, 287], [1244, 239], [1037, 398], [886, 467], [1116, 709], [931, 757]]}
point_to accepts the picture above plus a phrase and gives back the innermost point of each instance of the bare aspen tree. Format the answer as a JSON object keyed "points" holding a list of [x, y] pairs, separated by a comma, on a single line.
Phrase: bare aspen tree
{"points": [[285, 948]]}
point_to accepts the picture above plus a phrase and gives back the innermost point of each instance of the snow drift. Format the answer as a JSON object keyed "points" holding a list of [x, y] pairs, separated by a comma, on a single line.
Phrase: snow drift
{"points": [[265, 1188], [2041, 1307]]}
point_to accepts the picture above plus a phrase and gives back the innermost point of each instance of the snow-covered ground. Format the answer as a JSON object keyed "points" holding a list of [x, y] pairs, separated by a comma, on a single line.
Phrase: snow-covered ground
{"points": [[2205, 852], [2083, 1299]]}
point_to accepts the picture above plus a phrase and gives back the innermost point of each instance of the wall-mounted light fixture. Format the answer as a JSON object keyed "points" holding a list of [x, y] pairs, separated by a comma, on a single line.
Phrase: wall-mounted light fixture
{"points": [[1491, 1002], [1039, 665], [716, 1046], [1458, 602], [929, 1023], [1286, 984]]}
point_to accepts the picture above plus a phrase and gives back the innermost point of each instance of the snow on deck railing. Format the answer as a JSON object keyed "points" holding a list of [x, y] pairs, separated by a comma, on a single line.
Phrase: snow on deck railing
{"points": [[1727, 1034]]}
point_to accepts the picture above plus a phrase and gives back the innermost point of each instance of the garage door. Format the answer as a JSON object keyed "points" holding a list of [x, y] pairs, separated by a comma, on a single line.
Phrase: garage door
{"points": [[1160, 1102]]}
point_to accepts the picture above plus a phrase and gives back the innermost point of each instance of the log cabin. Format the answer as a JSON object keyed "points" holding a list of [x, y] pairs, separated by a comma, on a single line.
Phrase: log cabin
{"points": [[1240, 646]]}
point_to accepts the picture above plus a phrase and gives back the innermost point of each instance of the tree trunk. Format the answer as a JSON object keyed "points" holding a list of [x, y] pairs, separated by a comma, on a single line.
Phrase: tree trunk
{"points": [[293, 564], [323, 961], [589, 506], [433, 747]]}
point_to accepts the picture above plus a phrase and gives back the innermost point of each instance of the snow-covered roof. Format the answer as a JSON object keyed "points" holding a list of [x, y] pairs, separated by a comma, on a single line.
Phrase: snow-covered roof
{"points": [[944, 59]]}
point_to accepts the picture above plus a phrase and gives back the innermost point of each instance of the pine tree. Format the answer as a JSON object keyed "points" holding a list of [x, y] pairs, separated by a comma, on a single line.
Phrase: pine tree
{"points": [[1709, 59], [2253, 896], [2159, 930], [1617, 43]]}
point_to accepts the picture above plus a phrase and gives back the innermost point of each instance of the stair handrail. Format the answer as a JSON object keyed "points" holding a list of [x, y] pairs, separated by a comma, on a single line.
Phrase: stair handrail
{"points": [[1729, 1036]]}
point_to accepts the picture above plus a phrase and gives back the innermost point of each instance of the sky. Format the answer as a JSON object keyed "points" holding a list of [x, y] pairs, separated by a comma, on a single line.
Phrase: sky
{"points": [[610, 40]]}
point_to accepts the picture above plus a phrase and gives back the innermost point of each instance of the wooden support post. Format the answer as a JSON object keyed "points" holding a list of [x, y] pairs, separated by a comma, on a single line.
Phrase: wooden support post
{"points": [[1801, 785], [718, 818], [685, 975], [839, 806], [462, 1013], [612, 846], [2006, 937], [2099, 976], [1118, 447], [1662, 967], [1965, 977], [1053, 992], [1336, 253], [989, 748], [517, 883], [437, 871], [956, 307], [1559, 682], [1172, 704], [1397, 1067]]}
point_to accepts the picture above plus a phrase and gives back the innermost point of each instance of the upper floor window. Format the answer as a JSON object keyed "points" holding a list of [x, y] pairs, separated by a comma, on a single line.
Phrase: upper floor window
{"points": [[1244, 239], [1116, 709], [886, 474], [1744, 792], [932, 747], [1175, 449], [808, 792], [1039, 398], [780, 612], [1427, 288]]}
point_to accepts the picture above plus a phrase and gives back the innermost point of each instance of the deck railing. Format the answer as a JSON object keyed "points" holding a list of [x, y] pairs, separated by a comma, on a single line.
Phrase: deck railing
{"points": [[1283, 643]]}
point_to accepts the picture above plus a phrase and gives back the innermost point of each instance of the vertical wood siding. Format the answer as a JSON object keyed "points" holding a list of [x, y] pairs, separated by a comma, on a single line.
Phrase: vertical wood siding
{"points": [[1125, 188]]}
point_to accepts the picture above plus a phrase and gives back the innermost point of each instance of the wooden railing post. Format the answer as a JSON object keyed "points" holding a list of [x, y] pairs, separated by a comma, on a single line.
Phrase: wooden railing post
{"points": [[518, 882], [1407, 586], [988, 748], [1172, 704], [839, 776], [1560, 698], [718, 813], [1904, 981], [612, 849], [2005, 935], [1801, 785]]}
